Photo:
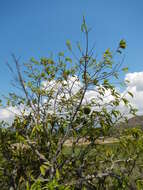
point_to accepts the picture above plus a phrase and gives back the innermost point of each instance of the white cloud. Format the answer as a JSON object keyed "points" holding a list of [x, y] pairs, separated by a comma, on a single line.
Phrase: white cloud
{"points": [[136, 80], [7, 114], [135, 86], [68, 84]]}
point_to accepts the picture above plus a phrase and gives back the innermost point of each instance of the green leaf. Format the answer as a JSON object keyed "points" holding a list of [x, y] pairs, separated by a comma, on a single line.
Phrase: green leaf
{"points": [[57, 174], [34, 61], [83, 26], [139, 184], [86, 110], [122, 44], [130, 94], [68, 44], [127, 81], [50, 61], [95, 81], [79, 47], [47, 163], [61, 54], [27, 186], [68, 59], [125, 101], [43, 170], [43, 74], [108, 53], [8, 102], [125, 69], [116, 75]]}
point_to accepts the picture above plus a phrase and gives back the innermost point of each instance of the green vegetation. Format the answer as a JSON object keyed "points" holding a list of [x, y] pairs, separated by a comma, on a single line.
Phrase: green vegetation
{"points": [[55, 108]]}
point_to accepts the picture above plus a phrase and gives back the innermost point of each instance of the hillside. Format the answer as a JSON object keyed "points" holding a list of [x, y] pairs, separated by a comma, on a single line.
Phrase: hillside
{"points": [[136, 121], [133, 122]]}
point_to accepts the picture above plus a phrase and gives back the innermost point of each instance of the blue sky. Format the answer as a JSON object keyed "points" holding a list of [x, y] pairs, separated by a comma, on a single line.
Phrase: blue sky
{"points": [[34, 28]]}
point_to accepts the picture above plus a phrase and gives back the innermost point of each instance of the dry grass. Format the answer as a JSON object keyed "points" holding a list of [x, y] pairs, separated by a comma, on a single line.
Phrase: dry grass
{"points": [[83, 141]]}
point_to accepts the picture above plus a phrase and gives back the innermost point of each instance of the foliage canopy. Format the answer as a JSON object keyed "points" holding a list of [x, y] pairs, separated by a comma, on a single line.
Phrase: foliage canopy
{"points": [[57, 139]]}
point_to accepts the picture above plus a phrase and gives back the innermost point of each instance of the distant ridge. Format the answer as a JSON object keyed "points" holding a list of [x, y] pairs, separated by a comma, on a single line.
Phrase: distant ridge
{"points": [[134, 122], [118, 130]]}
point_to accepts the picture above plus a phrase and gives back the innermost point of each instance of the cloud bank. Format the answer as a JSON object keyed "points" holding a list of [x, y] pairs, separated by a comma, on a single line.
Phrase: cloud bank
{"points": [[135, 86]]}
